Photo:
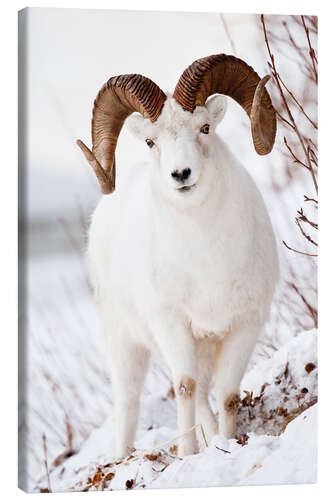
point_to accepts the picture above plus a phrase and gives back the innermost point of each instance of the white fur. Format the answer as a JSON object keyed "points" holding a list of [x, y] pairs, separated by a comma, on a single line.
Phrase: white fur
{"points": [[187, 274]]}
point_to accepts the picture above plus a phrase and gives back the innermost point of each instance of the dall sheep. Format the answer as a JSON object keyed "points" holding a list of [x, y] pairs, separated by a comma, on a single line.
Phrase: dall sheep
{"points": [[183, 258]]}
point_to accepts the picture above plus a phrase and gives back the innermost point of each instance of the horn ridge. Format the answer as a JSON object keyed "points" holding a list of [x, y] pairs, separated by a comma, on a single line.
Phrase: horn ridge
{"points": [[228, 75], [119, 97]]}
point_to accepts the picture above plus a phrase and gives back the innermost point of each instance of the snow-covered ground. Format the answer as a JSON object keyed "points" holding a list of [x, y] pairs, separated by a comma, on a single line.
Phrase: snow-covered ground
{"points": [[67, 397], [284, 452]]}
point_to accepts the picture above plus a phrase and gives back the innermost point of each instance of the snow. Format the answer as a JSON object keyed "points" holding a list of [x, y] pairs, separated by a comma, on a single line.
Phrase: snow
{"points": [[282, 387], [263, 460], [287, 457], [300, 351]]}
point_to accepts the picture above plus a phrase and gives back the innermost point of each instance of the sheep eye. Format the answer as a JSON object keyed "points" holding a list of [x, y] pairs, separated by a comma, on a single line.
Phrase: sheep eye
{"points": [[150, 143], [205, 129]]}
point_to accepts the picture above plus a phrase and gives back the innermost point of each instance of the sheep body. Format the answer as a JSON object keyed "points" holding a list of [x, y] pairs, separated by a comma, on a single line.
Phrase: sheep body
{"points": [[188, 276]]}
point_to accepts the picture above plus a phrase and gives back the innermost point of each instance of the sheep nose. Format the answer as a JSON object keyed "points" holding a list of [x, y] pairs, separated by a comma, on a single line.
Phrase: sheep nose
{"points": [[181, 175]]}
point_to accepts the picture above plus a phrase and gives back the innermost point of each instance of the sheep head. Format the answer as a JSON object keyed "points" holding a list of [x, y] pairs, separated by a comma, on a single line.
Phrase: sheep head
{"points": [[216, 74], [183, 149]]}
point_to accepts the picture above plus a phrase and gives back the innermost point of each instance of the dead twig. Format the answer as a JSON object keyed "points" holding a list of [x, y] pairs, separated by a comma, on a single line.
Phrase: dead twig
{"points": [[311, 51], [297, 160], [306, 198], [299, 51], [296, 101], [303, 218], [306, 236], [46, 464], [69, 447], [312, 311], [221, 449], [162, 445], [298, 251]]}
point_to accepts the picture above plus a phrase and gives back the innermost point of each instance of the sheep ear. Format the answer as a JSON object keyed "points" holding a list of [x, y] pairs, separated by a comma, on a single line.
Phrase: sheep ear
{"points": [[217, 106], [136, 125]]}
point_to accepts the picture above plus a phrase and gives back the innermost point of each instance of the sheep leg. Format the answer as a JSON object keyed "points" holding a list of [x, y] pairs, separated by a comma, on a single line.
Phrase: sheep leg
{"points": [[129, 365], [177, 345], [232, 356], [205, 359]]}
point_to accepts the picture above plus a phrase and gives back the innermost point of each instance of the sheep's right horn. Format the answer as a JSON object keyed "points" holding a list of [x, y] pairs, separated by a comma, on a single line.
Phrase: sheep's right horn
{"points": [[224, 74], [118, 98]]}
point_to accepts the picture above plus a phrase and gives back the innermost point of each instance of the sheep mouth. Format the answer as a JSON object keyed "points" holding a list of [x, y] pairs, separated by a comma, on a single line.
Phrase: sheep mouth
{"points": [[186, 188]]}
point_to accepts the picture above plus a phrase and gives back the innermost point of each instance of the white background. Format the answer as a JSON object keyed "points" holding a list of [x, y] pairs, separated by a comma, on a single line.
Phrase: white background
{"points": [[9, 247]]}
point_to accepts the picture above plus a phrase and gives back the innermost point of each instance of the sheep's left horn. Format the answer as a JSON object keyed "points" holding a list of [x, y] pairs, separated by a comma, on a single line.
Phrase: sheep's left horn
{"points": [[118, 98], [223, 74]]}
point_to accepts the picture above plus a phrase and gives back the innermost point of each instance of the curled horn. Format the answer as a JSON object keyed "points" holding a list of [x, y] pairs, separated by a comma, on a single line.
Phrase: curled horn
{"points": [[223, 74], [118, 98]]}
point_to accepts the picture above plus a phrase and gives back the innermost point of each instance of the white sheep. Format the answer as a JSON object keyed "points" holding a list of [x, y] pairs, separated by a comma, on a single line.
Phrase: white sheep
{"points": [[183, 259]]}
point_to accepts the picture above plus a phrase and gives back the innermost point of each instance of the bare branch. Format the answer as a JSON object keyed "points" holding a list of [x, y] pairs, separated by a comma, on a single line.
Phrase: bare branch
{"points": [[306, 198], [311, 50], [299, 225], [299, 50], [284, 100], [297, 160], [303, 218], [298, 251], [312, 311], [284, 119], [297, 103]]}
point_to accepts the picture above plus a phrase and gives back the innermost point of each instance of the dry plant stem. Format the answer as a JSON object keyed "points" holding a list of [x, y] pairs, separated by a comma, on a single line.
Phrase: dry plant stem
{"points": [[298, 251], [46, 464], [311, 151], [306, 198], [291, 118], [297, 160], [312, 143], [313, 157], [284, 119], [303, 218], [296, 101], [178, 437], [312, 20], [299, 51], [69, 430], [311, 51], [304, 233], [312, 311]]}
